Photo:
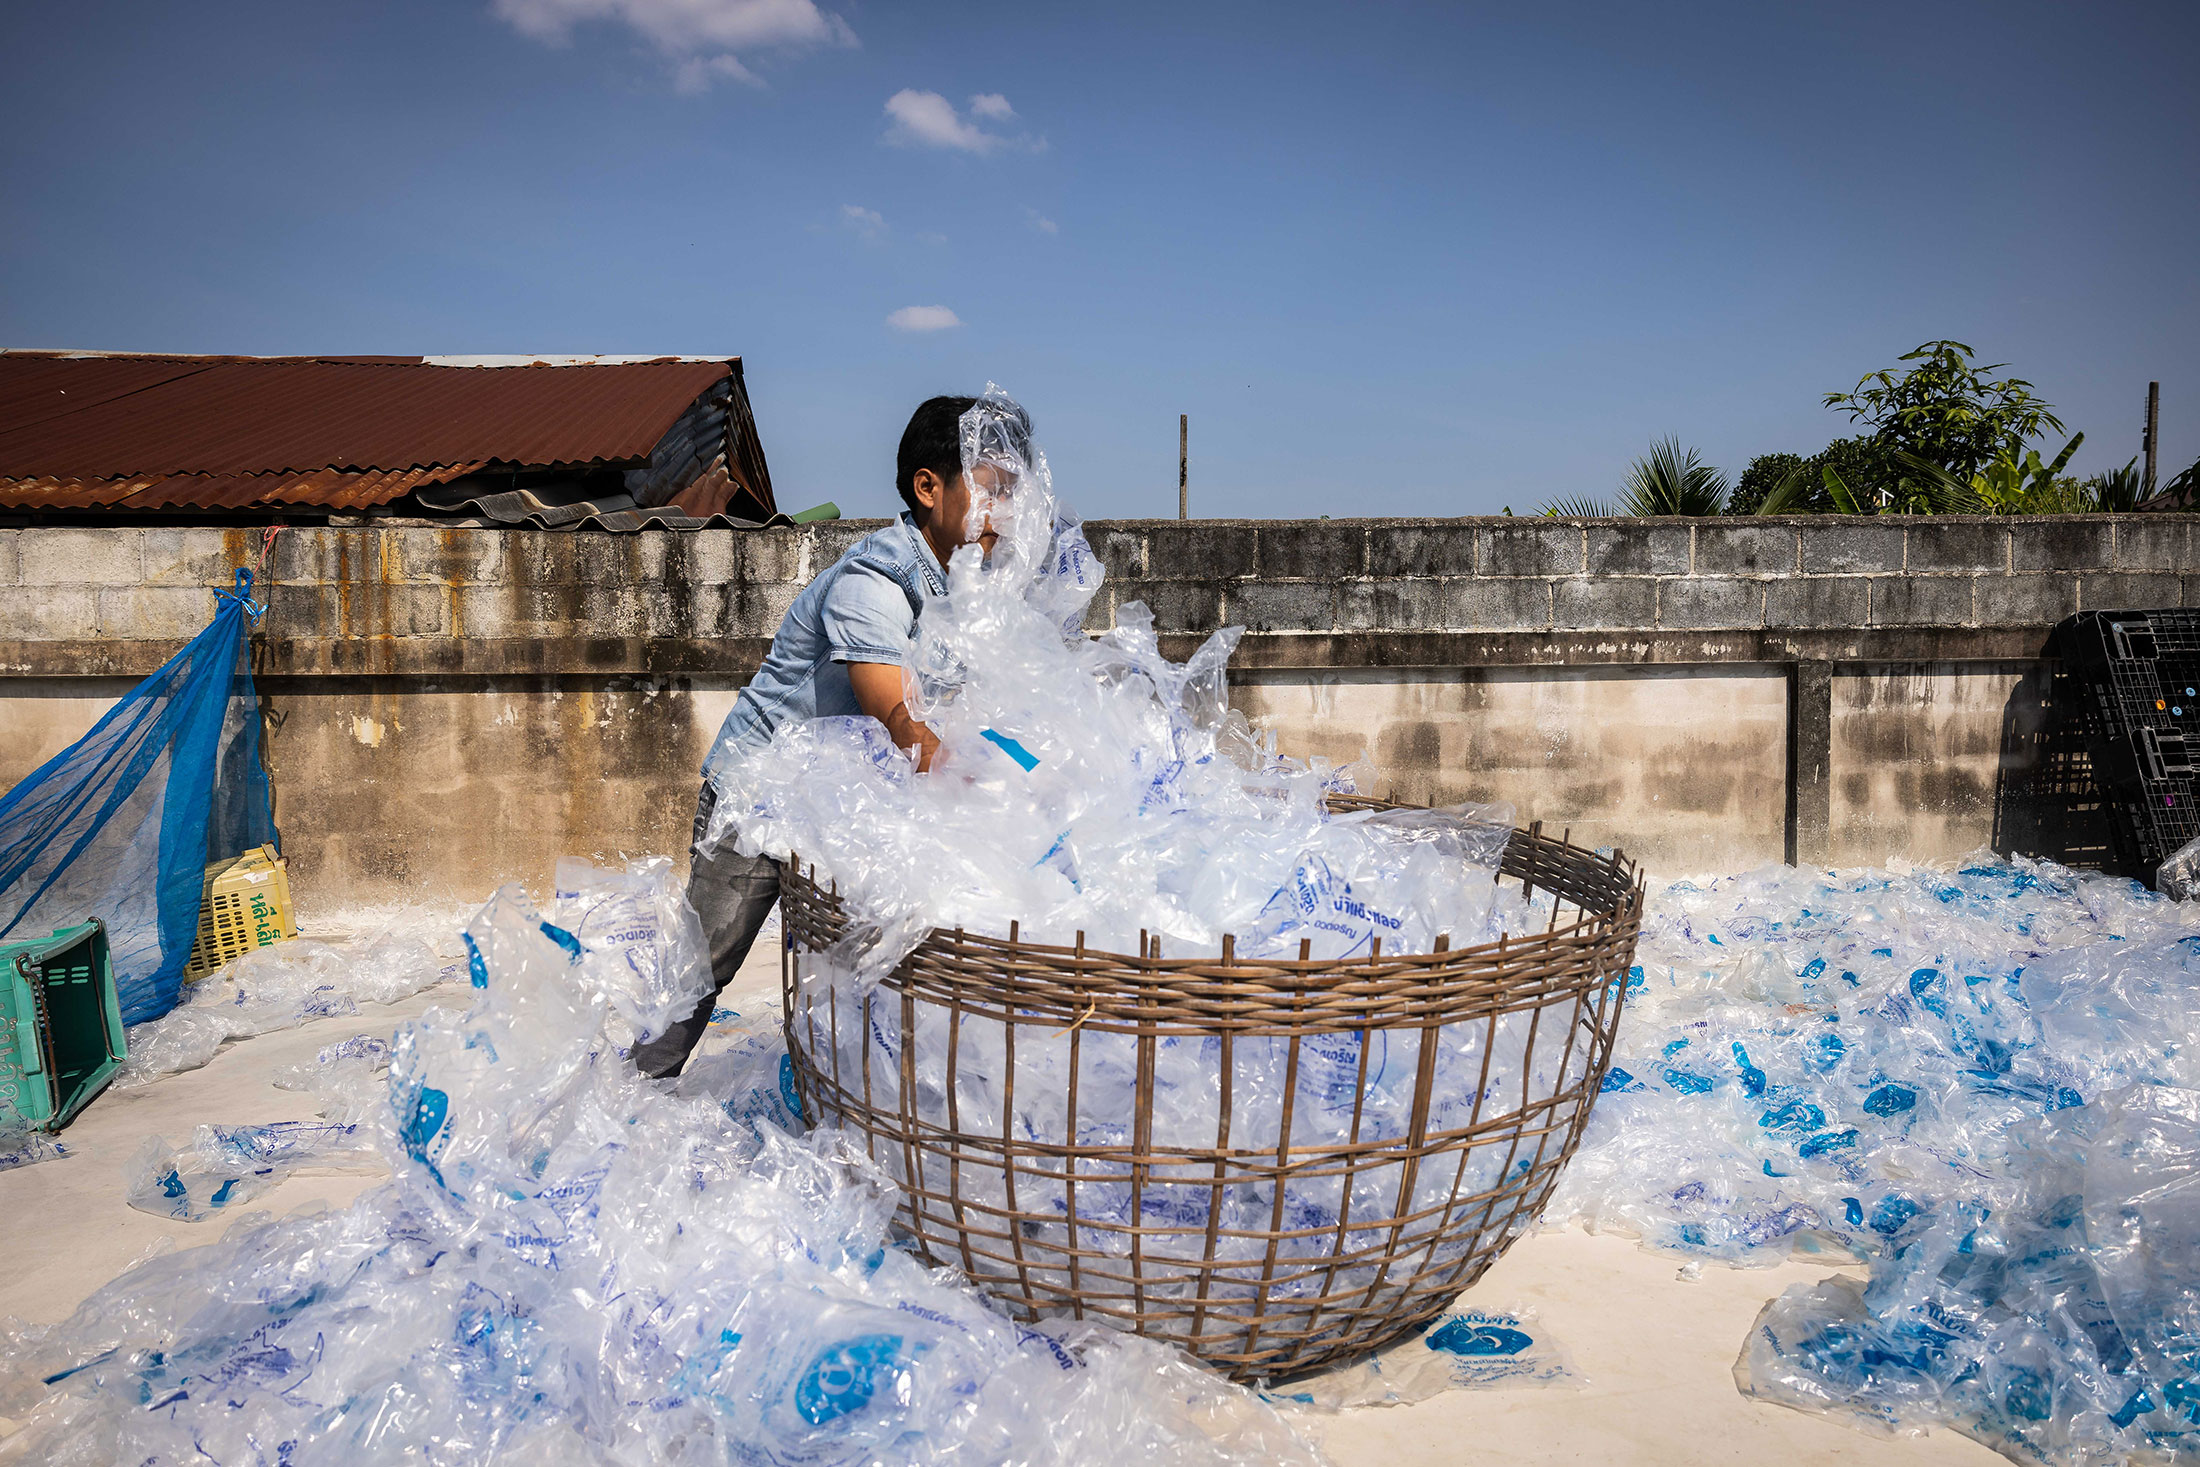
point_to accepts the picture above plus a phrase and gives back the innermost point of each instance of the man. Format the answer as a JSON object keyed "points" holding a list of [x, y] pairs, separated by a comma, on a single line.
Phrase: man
{"points": [[837, 652]]}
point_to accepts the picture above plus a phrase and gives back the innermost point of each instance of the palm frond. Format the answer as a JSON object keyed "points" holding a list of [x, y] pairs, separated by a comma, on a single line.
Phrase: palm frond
{"points": [[1941, 491], [1579, 507], [1843, 501], [2115, 492], [1671, 482], [1791, 494]]}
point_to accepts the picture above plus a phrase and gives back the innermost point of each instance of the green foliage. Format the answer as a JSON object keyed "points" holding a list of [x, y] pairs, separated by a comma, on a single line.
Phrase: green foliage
{"points": [[1578, 507], [2183, 492], [1671, 481], [1946, 411], [1765, 473], [1859, 463], [2028, 485]]}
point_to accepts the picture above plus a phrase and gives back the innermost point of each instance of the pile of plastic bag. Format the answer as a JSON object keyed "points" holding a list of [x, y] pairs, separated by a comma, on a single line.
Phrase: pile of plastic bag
{"points": [[1090, 785], [288, 984], [572, 1264], [1980, 1081]]}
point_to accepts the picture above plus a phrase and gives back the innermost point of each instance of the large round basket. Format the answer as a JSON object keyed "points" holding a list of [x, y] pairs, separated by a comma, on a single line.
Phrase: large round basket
{"points": [[1275, 1165]]}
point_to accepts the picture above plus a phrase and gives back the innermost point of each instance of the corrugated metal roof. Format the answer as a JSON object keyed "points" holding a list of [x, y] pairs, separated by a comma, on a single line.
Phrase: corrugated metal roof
{"points": [[328, 489], [81, 416]]}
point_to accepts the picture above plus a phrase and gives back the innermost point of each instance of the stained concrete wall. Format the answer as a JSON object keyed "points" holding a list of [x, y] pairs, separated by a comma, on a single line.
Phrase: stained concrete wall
{"points": [[447, 708], [1688, 764]]}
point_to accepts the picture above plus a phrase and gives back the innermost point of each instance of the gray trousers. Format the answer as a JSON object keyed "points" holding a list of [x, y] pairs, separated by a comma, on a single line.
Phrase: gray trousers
{"points": [[734, 895]]}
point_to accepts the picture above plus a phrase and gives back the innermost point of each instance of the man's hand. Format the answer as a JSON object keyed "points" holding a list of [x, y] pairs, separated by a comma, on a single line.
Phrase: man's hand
{"points": [[877, 688]]}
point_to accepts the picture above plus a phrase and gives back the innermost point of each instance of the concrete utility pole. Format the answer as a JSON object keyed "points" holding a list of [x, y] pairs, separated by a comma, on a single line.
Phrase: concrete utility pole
{"points": [[2152, 434], [1184, 465]]}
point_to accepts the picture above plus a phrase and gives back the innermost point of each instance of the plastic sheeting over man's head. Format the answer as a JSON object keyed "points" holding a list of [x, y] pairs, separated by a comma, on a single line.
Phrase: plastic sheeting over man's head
{"points": [[1011, 492]]}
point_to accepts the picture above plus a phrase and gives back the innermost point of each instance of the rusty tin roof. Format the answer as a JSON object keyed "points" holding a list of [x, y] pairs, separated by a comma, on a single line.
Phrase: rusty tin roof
{"points": [[113, 431]]}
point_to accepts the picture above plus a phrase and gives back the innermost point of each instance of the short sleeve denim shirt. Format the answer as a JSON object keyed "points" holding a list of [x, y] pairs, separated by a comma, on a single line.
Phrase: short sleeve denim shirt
{"points": [[864, 608]]}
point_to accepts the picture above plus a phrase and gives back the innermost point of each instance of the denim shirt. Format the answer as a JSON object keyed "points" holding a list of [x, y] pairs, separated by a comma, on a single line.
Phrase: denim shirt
{"points": [[863, 609]]}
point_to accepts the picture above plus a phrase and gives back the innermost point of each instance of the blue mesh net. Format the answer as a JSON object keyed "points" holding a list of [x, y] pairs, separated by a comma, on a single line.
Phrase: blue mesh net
{"points": [[122, 824]]}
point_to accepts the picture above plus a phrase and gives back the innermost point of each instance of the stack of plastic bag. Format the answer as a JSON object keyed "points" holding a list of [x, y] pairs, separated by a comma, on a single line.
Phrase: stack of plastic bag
{"points": [[571, 1264], [1980, 1081]]}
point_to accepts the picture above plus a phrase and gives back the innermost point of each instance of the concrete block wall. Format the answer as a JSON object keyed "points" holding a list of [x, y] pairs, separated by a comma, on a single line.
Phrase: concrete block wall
{"points": [[462, 705]]}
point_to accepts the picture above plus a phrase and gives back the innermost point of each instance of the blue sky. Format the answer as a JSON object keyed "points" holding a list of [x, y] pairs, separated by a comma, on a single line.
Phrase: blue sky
{"points": [[1392, 259]]}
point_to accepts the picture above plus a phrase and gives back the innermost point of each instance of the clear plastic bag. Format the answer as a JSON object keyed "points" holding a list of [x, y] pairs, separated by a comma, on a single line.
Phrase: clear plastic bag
{"points": [[227, 1166], [2178, 877], [571, 1263], [644, 948], [283, 986]]}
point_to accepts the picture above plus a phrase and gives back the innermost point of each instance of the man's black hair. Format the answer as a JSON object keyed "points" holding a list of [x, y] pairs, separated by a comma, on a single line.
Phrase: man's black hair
{"points": [[933, 440]]}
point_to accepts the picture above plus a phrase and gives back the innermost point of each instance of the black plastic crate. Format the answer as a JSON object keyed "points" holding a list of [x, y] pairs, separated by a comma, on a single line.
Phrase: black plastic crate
{"points": [[2136, 678]]}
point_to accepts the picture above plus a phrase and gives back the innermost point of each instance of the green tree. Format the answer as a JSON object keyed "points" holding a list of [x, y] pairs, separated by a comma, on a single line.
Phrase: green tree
{"points": [[1858, 462], [1948, 411]]}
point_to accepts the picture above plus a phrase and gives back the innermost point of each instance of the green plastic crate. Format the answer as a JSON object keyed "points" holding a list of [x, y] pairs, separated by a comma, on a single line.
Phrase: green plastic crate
{"points": [[60, 1024]]}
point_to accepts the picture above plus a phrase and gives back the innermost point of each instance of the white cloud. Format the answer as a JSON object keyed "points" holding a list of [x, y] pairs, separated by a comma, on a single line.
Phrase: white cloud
{"points": [[869, 223], [1041, 223], [701, 39], [923, 318], [927, 119]]}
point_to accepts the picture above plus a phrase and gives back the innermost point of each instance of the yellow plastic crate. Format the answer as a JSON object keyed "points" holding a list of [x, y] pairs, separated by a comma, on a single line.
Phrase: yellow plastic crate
{"points": [[246, 905]]}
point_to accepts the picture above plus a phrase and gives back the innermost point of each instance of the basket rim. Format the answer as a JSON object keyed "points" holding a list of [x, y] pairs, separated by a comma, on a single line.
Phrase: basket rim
{"points": [[1071, 961]]}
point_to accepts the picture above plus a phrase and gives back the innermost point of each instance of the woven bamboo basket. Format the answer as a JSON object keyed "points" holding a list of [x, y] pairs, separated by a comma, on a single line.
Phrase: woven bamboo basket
{"points": [[1275, 1165]]}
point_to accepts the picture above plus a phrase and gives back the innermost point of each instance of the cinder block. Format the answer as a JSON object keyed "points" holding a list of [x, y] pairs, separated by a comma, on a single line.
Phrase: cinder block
{"points": [[831, 539], [601, 559], [1914, 600], [1839, 544], [1390, 604], [701, 558], [680, 609], [299, 611], [1177, 606], [1957, 545], [154, 613], [49, 614], [775, 555], [426, 610], [460, 553], [1602, 601], [1191, 551], [70, 556], [1420, 550], [1692, 602], [762, 607], [1123, 552], [307, 556], [2061, 545], [1746, 550], [1486, 604], [539, 557], [2117, 591], [1530, 549], [195, 556], [2004, 601], [1310, 550], [1644, 548], [612, 611], [1818, 601], [1281, 606], [11, 563], [2154, 543]]}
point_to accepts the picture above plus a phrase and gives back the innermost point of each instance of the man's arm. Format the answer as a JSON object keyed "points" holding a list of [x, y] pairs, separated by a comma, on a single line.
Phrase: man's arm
{"points": [[877, 687]]}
